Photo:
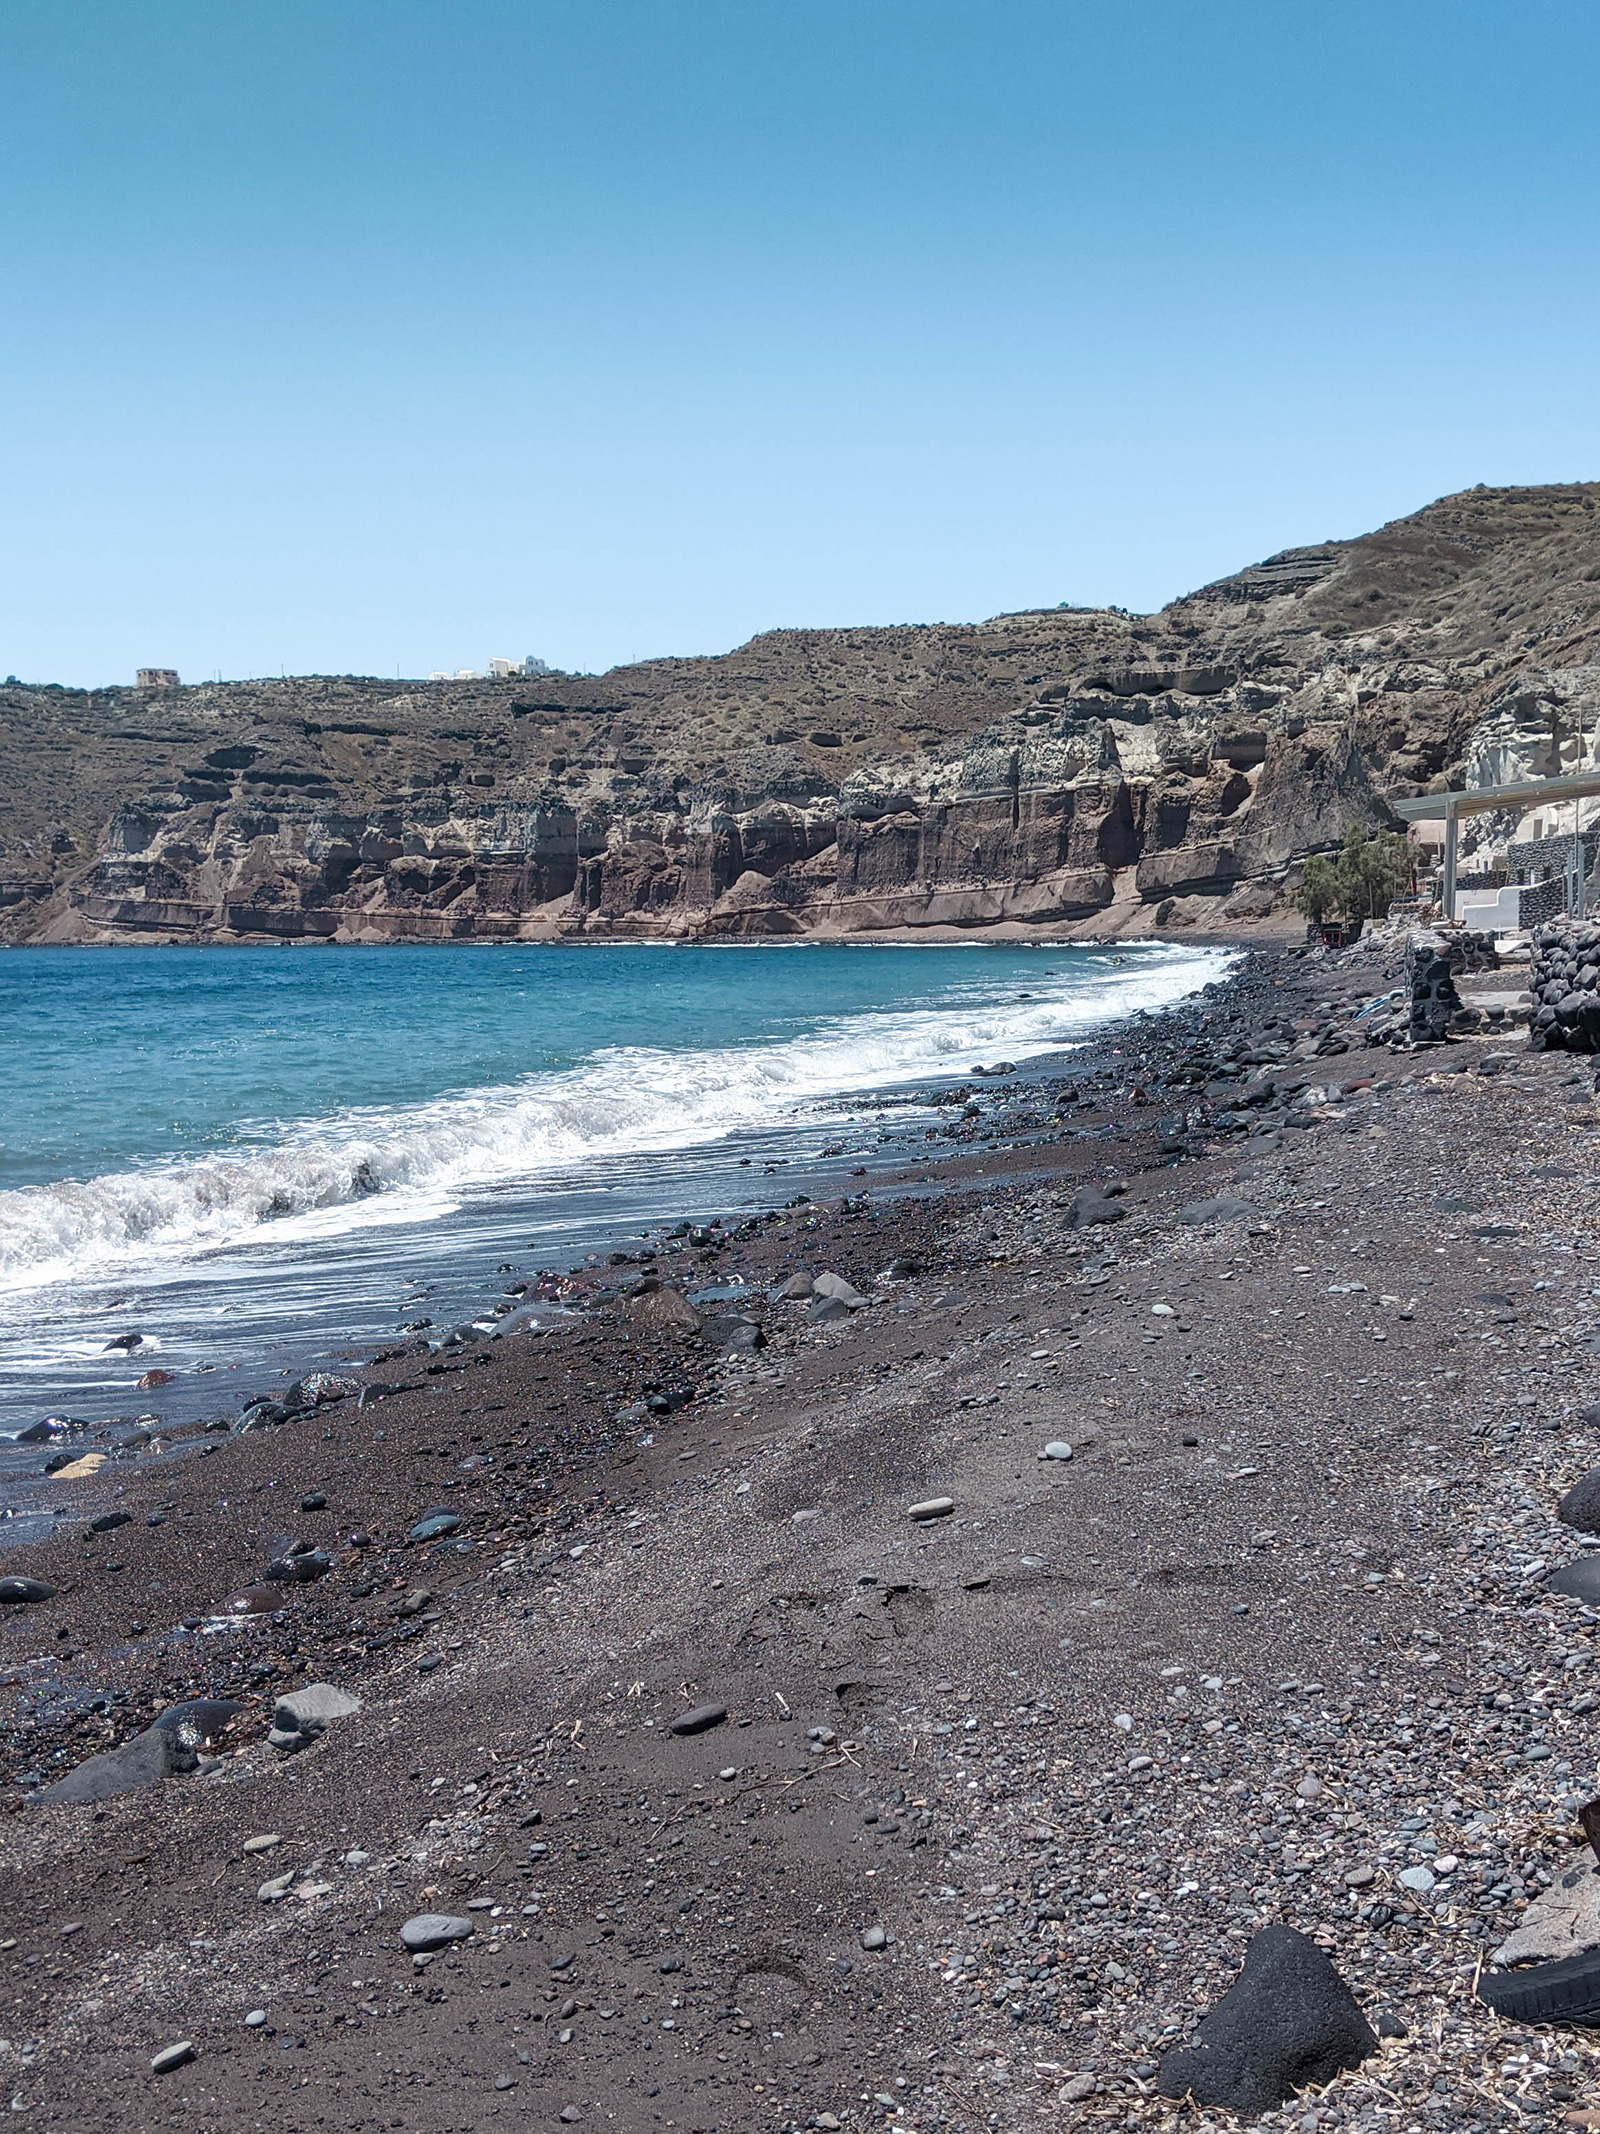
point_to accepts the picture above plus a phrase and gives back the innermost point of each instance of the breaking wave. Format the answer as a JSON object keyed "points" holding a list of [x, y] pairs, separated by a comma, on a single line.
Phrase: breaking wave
{"points": [[360, 1167]]}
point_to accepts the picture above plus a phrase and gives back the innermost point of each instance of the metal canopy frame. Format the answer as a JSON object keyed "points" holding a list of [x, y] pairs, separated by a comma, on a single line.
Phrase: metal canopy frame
{"points": [[1448, 808]]}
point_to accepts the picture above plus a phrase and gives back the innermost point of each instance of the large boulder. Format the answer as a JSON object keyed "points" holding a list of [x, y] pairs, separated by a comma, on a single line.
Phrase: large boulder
{"points": [[1287, 2021], [1578, 1580], [300, 1717], [158, 1753], [1580, 1507], [661, 1308], [1091, 1206], [199, 1722]]}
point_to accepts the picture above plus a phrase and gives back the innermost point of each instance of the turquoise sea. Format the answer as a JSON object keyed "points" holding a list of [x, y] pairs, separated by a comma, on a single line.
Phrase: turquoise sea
{"points": [[255, 1158]]}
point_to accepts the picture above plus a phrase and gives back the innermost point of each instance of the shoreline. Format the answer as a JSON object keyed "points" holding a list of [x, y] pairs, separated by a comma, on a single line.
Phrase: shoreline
{"points": [[1289, 1546], [1010, 933], [453, 1249]]}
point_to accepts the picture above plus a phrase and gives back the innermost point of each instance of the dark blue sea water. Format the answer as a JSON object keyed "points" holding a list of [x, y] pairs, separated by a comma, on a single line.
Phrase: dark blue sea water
{"points": [[256, 1157]]}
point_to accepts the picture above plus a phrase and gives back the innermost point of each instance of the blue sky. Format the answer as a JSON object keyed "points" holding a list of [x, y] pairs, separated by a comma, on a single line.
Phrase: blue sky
{"points": [[365, 335]]}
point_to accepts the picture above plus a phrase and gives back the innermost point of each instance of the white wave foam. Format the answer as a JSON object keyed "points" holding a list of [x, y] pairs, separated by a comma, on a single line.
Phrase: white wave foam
{"points": [[363, 1167]]}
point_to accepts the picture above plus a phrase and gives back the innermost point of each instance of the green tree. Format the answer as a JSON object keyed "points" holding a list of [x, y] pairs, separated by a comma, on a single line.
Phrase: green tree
{"points": [[1319, 888], [1371, 868]]}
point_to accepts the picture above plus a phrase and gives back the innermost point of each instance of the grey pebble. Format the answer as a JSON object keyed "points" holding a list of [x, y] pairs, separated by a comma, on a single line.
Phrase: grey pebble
{"points": [[434, 1930], [698, 1721]]}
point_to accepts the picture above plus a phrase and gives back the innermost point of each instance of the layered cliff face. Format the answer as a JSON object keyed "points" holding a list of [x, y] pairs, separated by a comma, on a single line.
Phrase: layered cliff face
{"points": [[1069, 769]]}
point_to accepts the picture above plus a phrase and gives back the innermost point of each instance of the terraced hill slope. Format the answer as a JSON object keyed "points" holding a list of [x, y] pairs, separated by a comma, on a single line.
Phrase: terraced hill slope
{"points": [[1070, 769]]}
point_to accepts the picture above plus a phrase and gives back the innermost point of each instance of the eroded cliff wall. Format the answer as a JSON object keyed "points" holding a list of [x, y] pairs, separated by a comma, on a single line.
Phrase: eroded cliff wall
{"points": [[1069, 769]]}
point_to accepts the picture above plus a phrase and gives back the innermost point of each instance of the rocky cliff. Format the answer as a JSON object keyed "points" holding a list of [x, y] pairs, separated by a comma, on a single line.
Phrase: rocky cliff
{"points": [[1070, 769]]}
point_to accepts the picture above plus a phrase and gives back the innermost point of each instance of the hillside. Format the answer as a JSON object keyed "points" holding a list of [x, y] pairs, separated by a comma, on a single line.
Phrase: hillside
{"points": [[1080, 770]]}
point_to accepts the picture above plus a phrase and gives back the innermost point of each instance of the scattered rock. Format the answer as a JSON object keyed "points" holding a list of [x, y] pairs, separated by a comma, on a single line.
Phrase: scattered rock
{"points": [[1057, 1449], [796, 1287], [434, 1526], [1092, 1206], [739, 1333], [662, 1308], [171, 2056], [434, 1930], [254, 1600], [825, 1310], [1563, 1921], [703, 1717], [126, 1342], [260, 1415], [874, 1938], [75, 1467], [931, 1508], [1224, 1209], [300, 1717], [108, 1522], [302, 1568], [18, 1592], [51, 1430], [314, 1706], [1287, 2021], [153, 1381], [835, 1285]]}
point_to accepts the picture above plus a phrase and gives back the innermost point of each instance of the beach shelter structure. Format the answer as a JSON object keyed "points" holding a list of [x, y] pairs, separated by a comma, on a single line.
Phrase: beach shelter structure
{"points": [[1482, 800]]}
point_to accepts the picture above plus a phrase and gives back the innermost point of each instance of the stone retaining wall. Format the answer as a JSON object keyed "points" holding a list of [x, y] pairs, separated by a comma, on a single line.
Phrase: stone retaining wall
{"points": [[1564, 978], [1434, 1000]]}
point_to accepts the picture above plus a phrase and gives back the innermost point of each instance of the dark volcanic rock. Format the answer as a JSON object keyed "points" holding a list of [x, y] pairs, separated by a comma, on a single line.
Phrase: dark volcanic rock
{"points": [[255, 1600], [200, 1721], [700, 1719], [1225, 1209], [434, 1930], [434, 1526], [1580, 1580], [51, 1430], [15, 1591], [300, 1568], [1580, 1507], [1092, 1206], [144, 1761], [662, 1308], [1288, 2020]]}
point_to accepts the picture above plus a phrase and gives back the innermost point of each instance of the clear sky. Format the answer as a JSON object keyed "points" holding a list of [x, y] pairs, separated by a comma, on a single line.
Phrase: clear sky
{"points": [[365, 335]]}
